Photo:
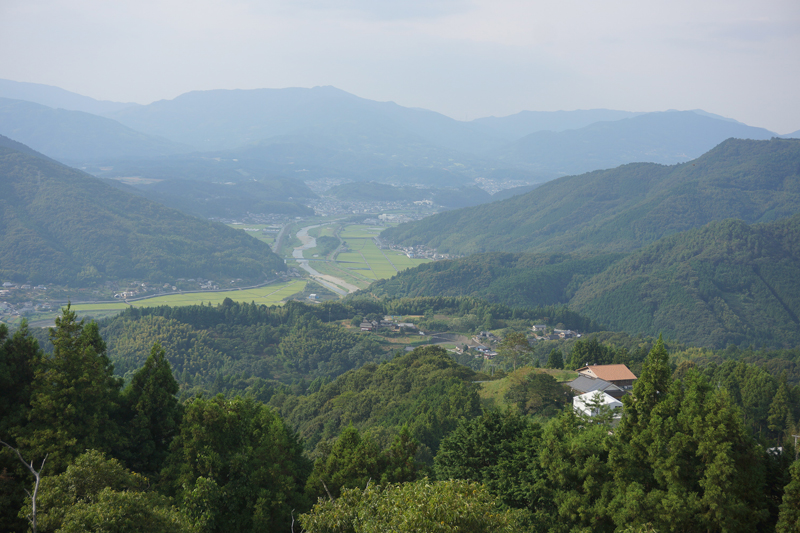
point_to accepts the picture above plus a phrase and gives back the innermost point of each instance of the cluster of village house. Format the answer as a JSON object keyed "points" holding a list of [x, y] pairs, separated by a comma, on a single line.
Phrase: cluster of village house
{"points": [[386, 323], [601, 385], [540, 333]]}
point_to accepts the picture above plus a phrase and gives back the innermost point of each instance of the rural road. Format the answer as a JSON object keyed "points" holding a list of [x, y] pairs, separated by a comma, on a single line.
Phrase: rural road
{"points": [[332, 282]]}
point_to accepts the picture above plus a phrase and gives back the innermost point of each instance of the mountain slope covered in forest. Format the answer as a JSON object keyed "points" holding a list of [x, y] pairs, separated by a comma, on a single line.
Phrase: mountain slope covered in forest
{"points": [[623, 209], [727, 282], [59, 225]]}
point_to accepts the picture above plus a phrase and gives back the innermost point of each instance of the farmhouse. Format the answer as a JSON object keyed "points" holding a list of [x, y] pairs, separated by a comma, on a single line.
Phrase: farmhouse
{"points": [[583, 384], [619, 375]]}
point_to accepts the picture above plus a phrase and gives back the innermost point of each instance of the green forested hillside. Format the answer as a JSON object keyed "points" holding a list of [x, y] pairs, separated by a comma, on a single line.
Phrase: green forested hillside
{"points": [[511, 279], [59, 225], [727, 282], [237, 346], [406, 437], [724, 283], [625, 208], [425, 390]]}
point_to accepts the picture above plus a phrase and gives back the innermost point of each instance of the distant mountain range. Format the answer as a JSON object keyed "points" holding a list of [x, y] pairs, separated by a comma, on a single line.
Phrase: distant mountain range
{"points": [[325, 132], [61, 226], [77, 136], [57, 98], [623, 209], [666, 138]]}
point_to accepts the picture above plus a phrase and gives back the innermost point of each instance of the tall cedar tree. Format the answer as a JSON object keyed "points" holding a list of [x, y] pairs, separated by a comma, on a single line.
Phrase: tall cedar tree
{"points": [[75, 397], [555, 359], [780, 411], [19, 355], [789, 519], [154, 412], [684, 459]]}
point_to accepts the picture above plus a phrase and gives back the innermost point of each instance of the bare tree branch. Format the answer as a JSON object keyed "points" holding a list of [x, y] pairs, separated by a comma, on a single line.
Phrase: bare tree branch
{"points": [[36, 475], [326, 490]]}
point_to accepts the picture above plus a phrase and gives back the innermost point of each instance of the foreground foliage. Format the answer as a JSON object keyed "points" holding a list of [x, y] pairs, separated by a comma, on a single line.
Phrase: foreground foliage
{"points": [[419, 507], [690, 453]]}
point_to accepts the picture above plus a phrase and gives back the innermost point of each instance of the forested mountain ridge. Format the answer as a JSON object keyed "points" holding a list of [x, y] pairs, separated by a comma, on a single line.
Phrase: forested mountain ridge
{"points": [[726, 282], [499, 277], [76, 136], [62, 226], [623, 209]]}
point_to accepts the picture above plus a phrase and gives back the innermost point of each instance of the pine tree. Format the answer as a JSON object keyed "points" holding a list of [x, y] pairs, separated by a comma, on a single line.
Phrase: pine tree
{"points": [[19, 357]]}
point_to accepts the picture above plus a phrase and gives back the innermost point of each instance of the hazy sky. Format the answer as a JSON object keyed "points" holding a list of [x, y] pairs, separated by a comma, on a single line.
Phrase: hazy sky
{"points": [[466, 59]]}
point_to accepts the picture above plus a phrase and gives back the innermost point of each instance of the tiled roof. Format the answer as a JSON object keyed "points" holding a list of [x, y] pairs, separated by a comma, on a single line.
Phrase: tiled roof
{"points": [[610, 372], [588, 384]]}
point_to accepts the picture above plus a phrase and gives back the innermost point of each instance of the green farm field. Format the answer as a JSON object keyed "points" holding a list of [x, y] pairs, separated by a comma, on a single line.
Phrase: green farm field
{"points": [[269, 295], [366, 259]]}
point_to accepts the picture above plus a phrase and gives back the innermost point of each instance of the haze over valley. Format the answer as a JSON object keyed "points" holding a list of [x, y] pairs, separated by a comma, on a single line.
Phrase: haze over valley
{"points": [[399, 266]]}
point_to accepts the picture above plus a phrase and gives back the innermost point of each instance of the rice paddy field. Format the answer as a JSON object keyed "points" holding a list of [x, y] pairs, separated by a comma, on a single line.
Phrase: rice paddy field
{"points": [[269, 295], [364, 258]]}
